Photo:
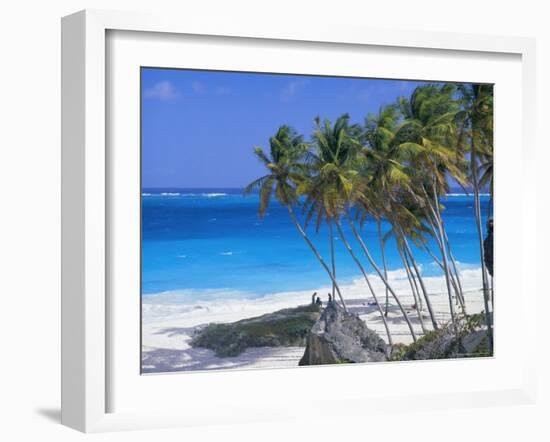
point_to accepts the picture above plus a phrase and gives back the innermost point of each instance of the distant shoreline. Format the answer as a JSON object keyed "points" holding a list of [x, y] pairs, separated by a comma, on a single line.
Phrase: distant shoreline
{"points": [[225, 191]]}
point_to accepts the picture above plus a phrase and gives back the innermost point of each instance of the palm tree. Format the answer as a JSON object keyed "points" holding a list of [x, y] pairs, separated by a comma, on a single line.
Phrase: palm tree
{"points": [[485, 172], [334, 162], [402, 220], [430, 132], [330, 173], [377, 269], [285, 172], [379, 136], [407, 224], [476, 122], [368, 203], [417, 302], [391, 180]]}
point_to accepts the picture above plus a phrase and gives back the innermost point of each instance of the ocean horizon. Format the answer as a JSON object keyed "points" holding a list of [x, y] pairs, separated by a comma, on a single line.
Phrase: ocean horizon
{"points": [[210, 244]]}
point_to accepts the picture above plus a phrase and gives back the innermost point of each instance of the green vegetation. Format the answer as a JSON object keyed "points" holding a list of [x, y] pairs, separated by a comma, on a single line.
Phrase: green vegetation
{"points": [[394, 168], [466, 338], [284, 328]]}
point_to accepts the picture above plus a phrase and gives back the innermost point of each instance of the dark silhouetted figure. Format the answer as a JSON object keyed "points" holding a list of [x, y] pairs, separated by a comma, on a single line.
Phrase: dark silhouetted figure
{"points": [[313, 297], [488, 247], [329, 298], [319, 302]]}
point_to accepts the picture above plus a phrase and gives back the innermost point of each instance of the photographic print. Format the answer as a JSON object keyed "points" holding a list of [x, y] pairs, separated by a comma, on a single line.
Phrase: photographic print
{"points": [[298, 220]]}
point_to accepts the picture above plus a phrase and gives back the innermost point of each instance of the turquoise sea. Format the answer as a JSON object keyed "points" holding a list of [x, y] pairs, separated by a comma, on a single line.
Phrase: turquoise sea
{"points": [[209, 243]]}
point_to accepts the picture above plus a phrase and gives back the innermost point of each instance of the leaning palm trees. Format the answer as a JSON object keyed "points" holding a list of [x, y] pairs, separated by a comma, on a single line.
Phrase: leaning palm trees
{"points": [[379, 136], [390, 183], [476, 122], [430, 132], [331, 185], [394, 171], [337, 185], [285, 172]]}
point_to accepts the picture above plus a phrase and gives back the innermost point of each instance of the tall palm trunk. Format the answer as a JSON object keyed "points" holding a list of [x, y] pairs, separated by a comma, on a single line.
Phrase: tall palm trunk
{"points": [[455, 277], [444, 242], [477, 205], [350, 250], [416, 302], [332, 257], [455, 267], [421, 281], [409, 267], [373, 263], [443, 251], [382, 247], [461, 299], [317, 255]]}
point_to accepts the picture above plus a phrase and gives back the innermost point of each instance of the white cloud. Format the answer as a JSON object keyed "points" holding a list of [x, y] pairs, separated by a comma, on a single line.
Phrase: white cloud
{"points": [[163, 90], [198, 87], [222, 91], [292, 88]]}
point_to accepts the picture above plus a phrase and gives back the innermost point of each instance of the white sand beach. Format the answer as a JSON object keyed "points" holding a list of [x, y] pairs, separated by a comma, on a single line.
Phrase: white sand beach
{"points": [[168, 325]]}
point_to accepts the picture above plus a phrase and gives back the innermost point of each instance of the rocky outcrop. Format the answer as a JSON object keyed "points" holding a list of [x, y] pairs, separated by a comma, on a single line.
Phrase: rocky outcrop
{"points": [[284, 328], [466, 338], [340, 337]]}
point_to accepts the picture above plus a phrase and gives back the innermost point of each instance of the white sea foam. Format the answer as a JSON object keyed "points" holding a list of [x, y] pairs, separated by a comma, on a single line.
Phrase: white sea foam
{"points": [[207, 195], [211, 305], [226, 253]]}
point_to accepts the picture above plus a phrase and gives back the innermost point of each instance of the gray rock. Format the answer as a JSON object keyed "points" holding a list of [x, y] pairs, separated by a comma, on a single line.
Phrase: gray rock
{"points": [[467, 338], [340, 337], [473, 341]]}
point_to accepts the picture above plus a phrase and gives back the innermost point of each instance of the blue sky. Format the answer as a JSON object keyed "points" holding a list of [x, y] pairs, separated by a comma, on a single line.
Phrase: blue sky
{"points": [[199, 127]]}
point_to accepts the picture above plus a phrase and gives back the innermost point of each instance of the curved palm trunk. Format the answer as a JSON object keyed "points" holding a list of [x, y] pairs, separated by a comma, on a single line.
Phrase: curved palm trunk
{"points": [[443, 252], [350, 250], [384, 280], [378, 223], [332, 257], [453, 281], [317, 255], [455, 277], [409, 266], [477, 206], [455, 268], [456, 288], [421, 281], [416, 303], [433, 215]]}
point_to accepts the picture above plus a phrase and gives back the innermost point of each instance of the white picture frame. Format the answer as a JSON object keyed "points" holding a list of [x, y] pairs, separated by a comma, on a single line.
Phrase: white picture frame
{"points": [[86, 205]]}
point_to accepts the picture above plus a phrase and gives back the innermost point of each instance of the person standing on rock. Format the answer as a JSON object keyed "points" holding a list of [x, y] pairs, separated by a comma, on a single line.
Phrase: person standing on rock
{"points": [[313, 297], [488, 247]]}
